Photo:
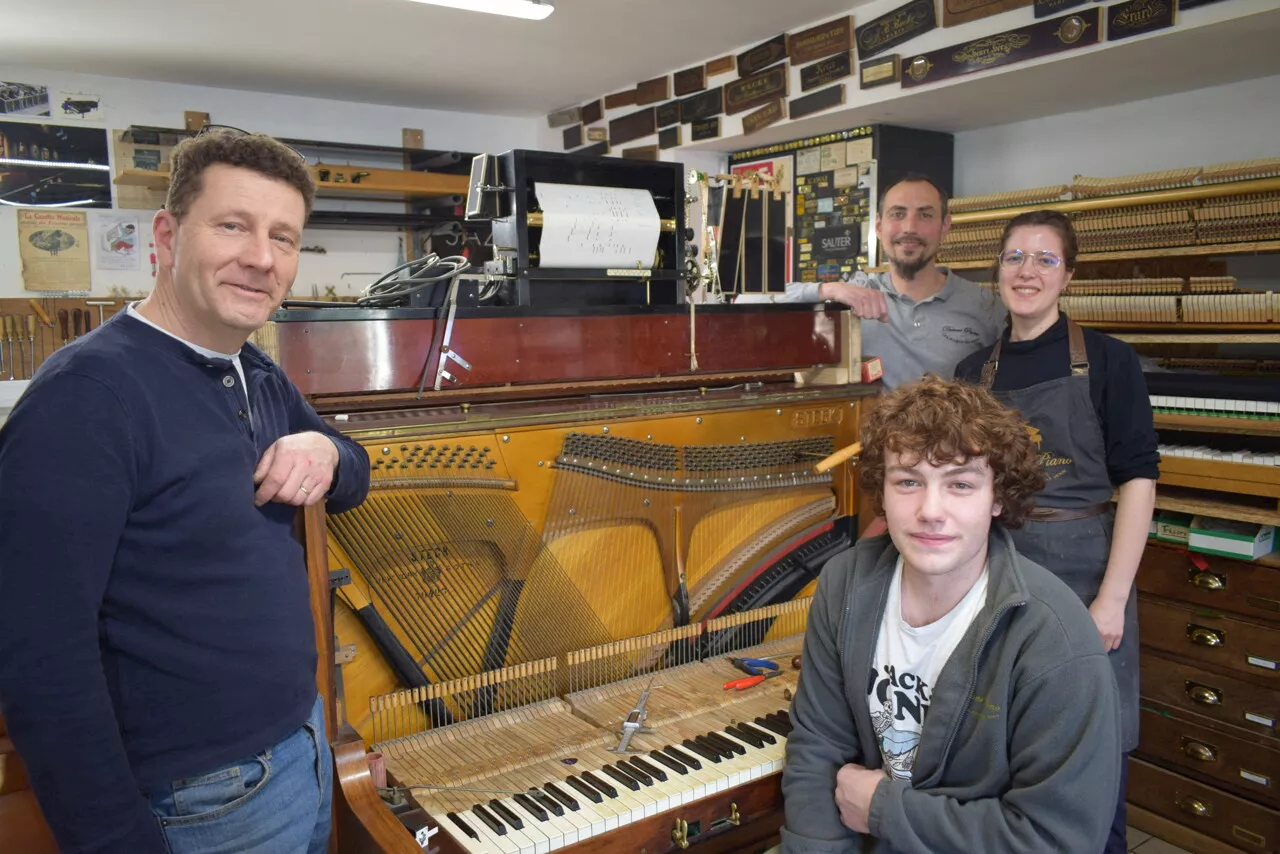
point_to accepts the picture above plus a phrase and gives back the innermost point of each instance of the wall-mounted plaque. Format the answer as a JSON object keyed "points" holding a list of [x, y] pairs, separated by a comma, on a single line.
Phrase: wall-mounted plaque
{"points": [[668, 114], [572, 137], [826, 71], [620, 99], [706, 129], [703, 105], [600, 149], [593, 112], [1042, 38], [597, 134], [823, 99], [1138, 17], [962, 11], [653, 91], [748, 92], [1046, 8], [879, 71], [641, 152], [1184, 5], [669, 138], [894, 28], [690, 80], [823, 40], [763, 117], [723, 65], [632, 126], [762, 55], [569, 116]]}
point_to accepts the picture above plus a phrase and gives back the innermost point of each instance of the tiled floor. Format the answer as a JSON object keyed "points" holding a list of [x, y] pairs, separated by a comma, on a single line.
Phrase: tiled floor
{"points": [[1145, 843]]}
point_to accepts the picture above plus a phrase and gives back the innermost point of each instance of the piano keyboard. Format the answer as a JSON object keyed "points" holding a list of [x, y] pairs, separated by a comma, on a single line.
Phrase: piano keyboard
{"points": [[1204, 452], [1221, 408]]}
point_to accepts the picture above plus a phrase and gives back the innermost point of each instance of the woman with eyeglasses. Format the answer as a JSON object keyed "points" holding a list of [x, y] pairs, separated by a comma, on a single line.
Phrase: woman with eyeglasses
{"points": [[1084, 399]]}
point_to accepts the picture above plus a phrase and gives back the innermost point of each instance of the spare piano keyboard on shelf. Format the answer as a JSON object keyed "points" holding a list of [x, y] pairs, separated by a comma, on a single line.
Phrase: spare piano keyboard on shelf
{"points": [[1204, 452], [1262, 410]]}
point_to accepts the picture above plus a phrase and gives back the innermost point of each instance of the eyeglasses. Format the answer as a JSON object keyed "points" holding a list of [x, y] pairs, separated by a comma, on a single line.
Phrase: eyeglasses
{"points": [[1043, 261], [231, 130]]}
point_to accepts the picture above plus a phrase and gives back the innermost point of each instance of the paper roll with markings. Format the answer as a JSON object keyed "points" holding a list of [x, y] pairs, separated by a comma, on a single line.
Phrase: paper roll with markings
{"points": [[593, 227]]}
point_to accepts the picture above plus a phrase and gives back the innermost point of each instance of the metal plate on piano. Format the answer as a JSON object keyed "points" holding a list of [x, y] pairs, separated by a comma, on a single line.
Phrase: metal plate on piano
{"points": [[336, 351], [600, 149], [723, 65], [826, 71], [894, 28], [878, 72], [597, 134], [653, 91], [1042, 38], [635, 125], [620, 99], [703, 105], [749, 92], [668, 114], [962, 11], [1045, 8], [569, 116], [762, 55], [706, 129], [640, 152], [669, 137], [593, 112], [824, 99], [759, 120], [823, 40], [690, 80], [572, 137], [1138, 17]]}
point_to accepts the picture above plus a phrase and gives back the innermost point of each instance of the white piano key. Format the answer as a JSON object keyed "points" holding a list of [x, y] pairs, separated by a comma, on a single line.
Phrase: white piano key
{"points": [[496, 842]]}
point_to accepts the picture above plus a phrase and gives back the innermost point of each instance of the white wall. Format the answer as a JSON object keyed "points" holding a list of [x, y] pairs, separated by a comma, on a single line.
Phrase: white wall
{"points": [[351, 256], [1239, 121]]}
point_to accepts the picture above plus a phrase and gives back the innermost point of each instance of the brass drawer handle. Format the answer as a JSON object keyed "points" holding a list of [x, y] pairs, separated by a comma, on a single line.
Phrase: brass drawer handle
{"points": [[1199, 750], [1208, 580], [1205, 636], [1195, 806], [1203, 694]]}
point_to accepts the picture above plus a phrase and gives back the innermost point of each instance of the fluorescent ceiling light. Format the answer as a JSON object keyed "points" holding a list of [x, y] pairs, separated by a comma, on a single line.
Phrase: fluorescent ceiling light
{"points": [[54, 164], [51, 205], [534, 10]]}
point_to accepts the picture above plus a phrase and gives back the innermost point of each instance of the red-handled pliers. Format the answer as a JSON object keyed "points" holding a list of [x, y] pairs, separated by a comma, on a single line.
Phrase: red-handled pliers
{"points": [[747, 681]]}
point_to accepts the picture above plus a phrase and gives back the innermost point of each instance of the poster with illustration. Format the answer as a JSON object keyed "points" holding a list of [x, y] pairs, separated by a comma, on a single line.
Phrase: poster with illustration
{"points": [[78, 106], [115, 241], [54, 248], [23, 99]]}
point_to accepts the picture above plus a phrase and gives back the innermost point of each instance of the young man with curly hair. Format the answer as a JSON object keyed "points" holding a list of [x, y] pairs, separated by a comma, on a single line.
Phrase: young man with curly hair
{"points": [[955, 697]]}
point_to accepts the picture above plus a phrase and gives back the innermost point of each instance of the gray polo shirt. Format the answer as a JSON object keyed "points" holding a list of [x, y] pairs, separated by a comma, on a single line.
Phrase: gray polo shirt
{"points": [[930, 336]]}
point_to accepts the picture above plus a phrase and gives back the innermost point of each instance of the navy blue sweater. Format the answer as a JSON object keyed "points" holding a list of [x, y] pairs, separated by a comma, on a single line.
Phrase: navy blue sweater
{"points": [[154, 623]]}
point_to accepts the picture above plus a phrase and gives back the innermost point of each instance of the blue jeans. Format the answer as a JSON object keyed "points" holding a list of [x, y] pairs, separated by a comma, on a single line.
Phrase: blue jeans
{"points": [[277, 802]]}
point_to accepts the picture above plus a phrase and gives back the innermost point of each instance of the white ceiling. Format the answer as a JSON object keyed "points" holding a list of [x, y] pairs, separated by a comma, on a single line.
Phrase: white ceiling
{"points": [[394, 51]]}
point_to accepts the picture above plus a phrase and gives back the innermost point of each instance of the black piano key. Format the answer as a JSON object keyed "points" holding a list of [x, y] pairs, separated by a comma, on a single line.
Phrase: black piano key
{"points": [[625, 779], [784, 714], [771, 725], [462, 825], [665, 759], [562, 796], [682, 757], [527, 804], [602, 785], [785, 723], [585, 790], [706, 751], [743, 736], [508, 816], [490, 819], [547, 802], [758, 733], [649, 768], [720, 741], [627, 768]]}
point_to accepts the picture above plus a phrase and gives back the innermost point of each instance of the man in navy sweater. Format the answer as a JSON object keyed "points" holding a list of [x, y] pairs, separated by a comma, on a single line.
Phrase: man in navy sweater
{"points": [[157, 653]]}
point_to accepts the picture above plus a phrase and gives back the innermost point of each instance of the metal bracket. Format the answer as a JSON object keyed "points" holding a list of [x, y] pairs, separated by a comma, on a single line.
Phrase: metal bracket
{"points": [[344, 654], [339, 578]]}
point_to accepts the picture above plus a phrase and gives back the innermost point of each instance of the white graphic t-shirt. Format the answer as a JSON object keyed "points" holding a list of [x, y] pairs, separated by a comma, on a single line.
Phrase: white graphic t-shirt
{"points": [[906, 666]]}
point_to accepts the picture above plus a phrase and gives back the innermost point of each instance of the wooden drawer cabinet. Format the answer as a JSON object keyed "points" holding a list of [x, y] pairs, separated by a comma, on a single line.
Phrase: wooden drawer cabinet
{"points": [[1248, 589], [1212, 638], [1236, 821], [1226, 699], [1243, 765]]}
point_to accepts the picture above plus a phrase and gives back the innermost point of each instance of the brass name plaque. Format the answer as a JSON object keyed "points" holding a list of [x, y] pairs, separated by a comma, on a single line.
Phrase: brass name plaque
{"points": [[763, 117], [894, 28], [823, 40], [706, 129], [1138, 17], [597, 134], [826, 71], [762, 55], [748, 92], [878, 72], [690, 80], [703, 105]]}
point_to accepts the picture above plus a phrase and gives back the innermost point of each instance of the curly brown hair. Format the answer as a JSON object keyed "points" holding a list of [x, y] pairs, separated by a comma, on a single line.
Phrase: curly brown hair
{"points": [[233, 147], [946, 421]]}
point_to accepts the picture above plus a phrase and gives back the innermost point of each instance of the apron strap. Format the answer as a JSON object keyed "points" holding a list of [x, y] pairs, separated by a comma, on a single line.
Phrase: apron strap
{"points": [[1079, 356], [989, 367]]}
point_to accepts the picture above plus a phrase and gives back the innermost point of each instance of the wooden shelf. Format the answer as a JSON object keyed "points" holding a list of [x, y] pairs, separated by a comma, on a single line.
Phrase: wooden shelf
{"points": [[1246, 248], [1192, 338], [1194, 501], [375, 184], [1215, 424]]}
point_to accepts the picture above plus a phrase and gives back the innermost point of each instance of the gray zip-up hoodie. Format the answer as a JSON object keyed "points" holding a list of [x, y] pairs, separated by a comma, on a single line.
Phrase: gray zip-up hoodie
{"points": [[1020, 750]]}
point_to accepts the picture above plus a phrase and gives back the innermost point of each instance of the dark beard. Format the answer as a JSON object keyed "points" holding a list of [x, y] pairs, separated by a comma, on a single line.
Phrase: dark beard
{"points": [[909, 269]]}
